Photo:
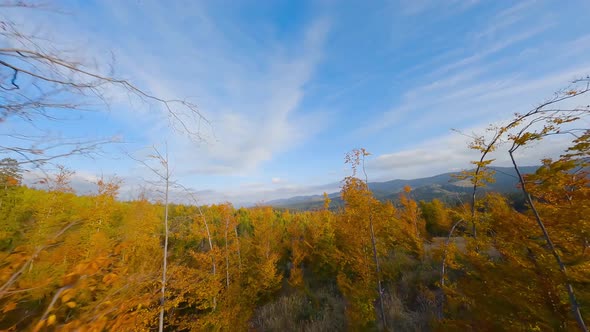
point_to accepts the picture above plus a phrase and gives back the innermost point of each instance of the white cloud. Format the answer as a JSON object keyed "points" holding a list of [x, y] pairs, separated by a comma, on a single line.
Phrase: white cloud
{"points": [[416, 7], [252, 98], [256, 117], [476, 89], [83, 183], [241, 195], [450, 153], [493, 48], [252, 88]]}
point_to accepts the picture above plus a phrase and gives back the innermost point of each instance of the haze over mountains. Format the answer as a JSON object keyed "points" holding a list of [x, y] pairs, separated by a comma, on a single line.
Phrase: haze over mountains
{"points": [[444, 186]]}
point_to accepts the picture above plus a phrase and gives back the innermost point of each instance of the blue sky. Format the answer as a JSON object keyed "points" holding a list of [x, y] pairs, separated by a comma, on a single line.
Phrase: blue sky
{"points": [[290, 86]]}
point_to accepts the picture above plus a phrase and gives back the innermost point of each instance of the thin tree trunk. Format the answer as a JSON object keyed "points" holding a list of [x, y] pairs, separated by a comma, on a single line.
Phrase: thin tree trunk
{"points": [[473, 228], [53, 300], [375, 256], [163, 299], [443, 269], [210, 249], [239, 253], [378, 268], [444, 258], [226, 254], [575, 307], [214, 270]]}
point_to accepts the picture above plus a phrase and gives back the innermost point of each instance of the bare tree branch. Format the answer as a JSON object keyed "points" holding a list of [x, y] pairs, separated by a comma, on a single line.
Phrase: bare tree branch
{"points": [[39, 80]]}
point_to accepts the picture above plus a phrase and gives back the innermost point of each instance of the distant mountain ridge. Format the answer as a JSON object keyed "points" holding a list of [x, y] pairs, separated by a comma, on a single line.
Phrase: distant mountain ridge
{"points": [[443, 186]]}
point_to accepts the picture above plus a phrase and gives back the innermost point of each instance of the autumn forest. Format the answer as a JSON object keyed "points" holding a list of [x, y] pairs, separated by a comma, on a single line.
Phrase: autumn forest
{"points": [[95, 263], [99, 262]]}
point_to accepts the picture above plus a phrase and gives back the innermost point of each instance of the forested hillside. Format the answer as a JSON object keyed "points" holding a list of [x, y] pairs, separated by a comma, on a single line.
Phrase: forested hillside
{"points": [[94, 263], [447, 187]]}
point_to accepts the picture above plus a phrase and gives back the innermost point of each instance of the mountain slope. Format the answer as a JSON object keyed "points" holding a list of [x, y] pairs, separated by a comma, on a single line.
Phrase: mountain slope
{"points": [[443, 186]]}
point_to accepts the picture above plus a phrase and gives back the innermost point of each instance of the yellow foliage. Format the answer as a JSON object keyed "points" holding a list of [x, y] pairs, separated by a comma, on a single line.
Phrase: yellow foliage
{"points": [[109, 278], [67, 294], [9, 307], [39, 325], [110, 262]]}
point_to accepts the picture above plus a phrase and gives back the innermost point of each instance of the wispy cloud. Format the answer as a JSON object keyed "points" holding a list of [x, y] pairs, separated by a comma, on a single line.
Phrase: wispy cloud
{"points": [[255, 115], [295, 86], [504, 20], [450, 152], [251, 97], [494, 77], [482, 82], [416, 7]]}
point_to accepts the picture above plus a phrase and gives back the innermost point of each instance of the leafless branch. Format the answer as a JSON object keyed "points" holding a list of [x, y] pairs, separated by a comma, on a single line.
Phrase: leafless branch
{"points": [[38, 80]]}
